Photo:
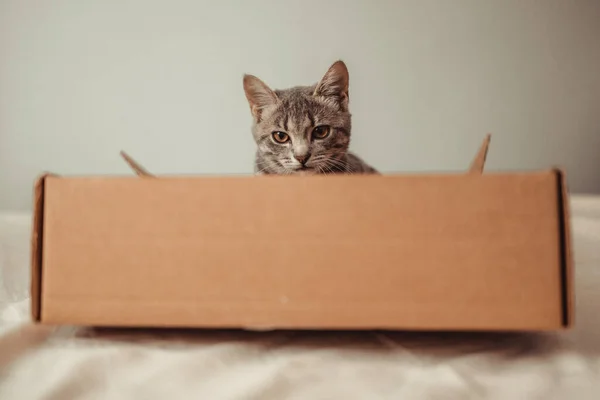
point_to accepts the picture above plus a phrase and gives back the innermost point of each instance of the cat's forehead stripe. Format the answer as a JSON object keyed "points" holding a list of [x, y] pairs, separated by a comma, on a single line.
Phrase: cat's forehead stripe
{"points": [[278, 119], [311, 118]]}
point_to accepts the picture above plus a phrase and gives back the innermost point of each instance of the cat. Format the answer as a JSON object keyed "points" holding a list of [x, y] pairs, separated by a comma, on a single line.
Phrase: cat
{"points": [[304, 129]]}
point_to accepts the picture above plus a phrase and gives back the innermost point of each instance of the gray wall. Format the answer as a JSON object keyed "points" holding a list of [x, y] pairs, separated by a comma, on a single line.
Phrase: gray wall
{"points": [[81, 80]]}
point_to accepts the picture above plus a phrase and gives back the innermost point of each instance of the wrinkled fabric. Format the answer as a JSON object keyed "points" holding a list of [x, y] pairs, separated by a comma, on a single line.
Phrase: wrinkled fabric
{"points": [[38, 362]]}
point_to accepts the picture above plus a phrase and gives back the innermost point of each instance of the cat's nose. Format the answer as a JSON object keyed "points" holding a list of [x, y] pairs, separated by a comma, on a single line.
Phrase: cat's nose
{"points": [[302, 158]]}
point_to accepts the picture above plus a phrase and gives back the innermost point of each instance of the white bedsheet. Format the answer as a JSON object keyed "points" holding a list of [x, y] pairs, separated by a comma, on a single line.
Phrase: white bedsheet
{"points": [[67, 363]]}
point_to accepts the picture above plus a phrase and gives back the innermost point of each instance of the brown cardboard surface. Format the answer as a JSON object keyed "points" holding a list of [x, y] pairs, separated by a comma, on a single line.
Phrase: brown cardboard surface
{"points": [[435, 252]]}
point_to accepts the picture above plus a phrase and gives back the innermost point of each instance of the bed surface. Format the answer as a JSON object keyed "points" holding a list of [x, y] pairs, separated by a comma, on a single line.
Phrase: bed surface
{"points": [[39, 362]]}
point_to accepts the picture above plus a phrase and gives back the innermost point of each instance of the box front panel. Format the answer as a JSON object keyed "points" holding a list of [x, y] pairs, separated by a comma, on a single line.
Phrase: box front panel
{"points": [[398, 252]]}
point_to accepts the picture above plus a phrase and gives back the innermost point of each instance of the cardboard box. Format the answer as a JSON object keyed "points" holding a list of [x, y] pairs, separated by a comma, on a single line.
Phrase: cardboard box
{"points": [[409, 252]]}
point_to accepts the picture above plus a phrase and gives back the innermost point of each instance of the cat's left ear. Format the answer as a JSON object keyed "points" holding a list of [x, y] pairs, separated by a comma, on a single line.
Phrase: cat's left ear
{"points": [[335, 83]]}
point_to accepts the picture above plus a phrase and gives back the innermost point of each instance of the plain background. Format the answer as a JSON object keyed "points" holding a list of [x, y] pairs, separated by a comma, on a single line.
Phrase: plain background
{"points": [[81, 80]]}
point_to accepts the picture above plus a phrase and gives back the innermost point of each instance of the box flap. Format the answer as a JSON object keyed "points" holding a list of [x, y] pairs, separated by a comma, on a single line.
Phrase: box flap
{"points": [[135, 166], [478, 162]]}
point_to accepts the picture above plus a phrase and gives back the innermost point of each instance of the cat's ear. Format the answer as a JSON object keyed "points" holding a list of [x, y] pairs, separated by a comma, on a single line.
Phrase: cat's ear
{"points": [[259, 95], [335, 83]]}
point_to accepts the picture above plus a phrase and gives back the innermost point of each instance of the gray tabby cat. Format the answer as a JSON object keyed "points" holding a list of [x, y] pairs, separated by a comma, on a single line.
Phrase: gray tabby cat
{"points": [[304, 129]]}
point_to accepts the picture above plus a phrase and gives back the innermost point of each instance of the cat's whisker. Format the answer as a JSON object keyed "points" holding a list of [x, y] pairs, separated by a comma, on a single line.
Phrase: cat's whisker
{"points": [[262, 170], [345, 167], [331, 166], [321, 168], [331, 171], [333, 159], [269, 166]]}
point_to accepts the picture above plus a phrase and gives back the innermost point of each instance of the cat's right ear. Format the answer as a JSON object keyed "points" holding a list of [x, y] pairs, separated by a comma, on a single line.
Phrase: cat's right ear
{"points": [[259, 95]]}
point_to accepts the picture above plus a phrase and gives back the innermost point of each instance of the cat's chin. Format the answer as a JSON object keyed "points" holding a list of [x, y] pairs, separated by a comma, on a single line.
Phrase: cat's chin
{"points": [[305, 171]]}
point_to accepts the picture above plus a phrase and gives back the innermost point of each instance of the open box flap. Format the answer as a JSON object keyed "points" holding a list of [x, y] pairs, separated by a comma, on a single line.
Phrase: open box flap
{"points": [[478, 162], [137, 168]]}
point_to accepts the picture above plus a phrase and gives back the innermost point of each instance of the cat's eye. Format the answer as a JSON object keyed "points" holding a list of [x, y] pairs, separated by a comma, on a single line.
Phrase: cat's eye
{"points": [[280, 137], [321, 132]]}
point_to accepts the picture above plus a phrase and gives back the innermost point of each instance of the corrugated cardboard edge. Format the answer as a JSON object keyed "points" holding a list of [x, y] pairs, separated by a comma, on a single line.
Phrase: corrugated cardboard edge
{"points": [[567, 264], [37, 241]]}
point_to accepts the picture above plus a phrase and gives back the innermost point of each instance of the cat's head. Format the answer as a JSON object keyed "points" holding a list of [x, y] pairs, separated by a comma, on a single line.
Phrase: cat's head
{"points": [[304, 129]]}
